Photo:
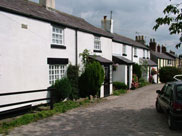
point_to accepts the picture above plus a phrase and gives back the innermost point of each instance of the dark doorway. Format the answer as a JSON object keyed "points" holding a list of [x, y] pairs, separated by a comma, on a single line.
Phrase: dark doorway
{"points": [[107, 81]]}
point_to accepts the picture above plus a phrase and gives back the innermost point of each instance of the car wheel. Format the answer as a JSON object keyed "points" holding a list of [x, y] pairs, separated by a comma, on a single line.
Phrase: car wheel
{"points": [[158, 107], [171, 123]]}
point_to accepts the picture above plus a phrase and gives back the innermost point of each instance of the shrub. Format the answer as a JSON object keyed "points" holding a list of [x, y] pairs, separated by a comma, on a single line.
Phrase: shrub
{"points": [[141, 80], [166, 74], [119, 85], [62, 89], [137, 70], [91, 79], [72, 74]]}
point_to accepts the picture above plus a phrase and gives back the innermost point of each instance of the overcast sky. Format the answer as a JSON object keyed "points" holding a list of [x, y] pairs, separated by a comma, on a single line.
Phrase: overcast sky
{"points": [[131, 17]]}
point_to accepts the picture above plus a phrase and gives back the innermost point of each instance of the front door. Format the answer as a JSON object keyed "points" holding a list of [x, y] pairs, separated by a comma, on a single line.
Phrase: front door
{"points": [[107, 81]]}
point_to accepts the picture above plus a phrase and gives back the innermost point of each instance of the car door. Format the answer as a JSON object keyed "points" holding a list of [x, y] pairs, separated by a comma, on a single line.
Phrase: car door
{"points": [[161, 96], [166, 98]]}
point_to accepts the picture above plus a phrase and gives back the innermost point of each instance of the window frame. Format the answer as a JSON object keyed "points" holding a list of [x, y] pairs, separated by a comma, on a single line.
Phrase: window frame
{"points": [[56, 72], [58, 34], [144, 53], [124, 50], [135, 52], [169, 62], [97, 40]]}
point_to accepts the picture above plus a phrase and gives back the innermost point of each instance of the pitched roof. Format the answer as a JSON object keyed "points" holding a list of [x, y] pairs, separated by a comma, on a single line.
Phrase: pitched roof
{"points": [[34, 10], [171, 55], [149, 62], [126, 40], [161, 55], [100, 59], [121, 60]]}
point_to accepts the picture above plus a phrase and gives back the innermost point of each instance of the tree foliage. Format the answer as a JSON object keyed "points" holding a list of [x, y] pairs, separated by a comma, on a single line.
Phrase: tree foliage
{"points": [[166, 74], [172, 18]]}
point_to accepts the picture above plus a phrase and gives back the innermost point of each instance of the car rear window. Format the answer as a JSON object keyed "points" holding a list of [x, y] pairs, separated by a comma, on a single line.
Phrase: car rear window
{"points": [[179, 92]]}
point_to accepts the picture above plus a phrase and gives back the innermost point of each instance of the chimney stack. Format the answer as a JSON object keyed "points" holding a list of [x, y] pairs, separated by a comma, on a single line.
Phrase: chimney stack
{"points": [[163, 49], [152, 45], [159, 48], [107, 24], [47, 3], [140, 39]]}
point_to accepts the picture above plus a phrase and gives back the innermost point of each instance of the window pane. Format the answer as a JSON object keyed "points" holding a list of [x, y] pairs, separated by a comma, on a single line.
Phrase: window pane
{"points": [[57, 36]]}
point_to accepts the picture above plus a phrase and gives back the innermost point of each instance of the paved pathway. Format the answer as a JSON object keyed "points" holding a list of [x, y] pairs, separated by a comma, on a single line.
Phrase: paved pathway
{"points": [[132, 114]]}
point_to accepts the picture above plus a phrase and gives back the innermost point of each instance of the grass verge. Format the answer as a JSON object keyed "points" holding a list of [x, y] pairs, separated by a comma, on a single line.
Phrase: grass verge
{"points": [[119, 92], [33, 117]]}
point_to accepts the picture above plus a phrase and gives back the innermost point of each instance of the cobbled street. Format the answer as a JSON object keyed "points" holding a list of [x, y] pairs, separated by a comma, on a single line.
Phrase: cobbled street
{"points": [[131, 114]]}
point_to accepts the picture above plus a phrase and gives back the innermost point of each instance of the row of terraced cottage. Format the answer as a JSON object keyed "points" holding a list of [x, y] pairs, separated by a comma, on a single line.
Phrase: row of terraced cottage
{"points": [[37, 40]]}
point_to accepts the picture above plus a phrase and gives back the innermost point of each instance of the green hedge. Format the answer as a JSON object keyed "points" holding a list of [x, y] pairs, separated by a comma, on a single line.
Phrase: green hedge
{"points": [[72, 74], [119, 85], [137, 70], [166, 74], [62, 89], [91, 79]]}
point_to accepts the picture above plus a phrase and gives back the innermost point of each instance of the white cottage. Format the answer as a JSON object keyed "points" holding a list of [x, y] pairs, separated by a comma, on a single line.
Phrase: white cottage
{"points": [[126, 52], [37, 44]]}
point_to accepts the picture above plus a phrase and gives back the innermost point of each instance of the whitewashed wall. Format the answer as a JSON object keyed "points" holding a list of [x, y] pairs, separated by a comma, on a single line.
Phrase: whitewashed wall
{"points": [[24, 53], [119, 74], [118, 50]]}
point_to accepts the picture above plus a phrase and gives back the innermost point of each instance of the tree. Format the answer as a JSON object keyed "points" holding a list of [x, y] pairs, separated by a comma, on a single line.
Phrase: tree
{"points": [[172, 18]]}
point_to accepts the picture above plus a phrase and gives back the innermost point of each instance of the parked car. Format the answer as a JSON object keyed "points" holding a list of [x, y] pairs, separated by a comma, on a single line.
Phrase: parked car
{"points": [[169, 101]]}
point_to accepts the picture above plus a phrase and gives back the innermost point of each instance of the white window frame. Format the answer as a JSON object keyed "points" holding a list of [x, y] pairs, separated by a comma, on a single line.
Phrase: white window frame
{"points": [[97, 43], [169, 62], [135, 51], [148, 54], [143, 53], [56, 72], [124, 49], [57, 36]]}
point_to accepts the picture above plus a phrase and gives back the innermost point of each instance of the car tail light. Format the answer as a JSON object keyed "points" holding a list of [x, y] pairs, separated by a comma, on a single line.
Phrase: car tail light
{"points": [[177, 106]]}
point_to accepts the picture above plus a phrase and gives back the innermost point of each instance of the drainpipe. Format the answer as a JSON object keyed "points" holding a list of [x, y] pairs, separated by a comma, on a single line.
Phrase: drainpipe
{"points": [[76, 47]]}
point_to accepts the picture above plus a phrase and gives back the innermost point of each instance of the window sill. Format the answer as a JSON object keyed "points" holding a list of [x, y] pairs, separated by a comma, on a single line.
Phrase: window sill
{"points": [[58, 46], [124, 54], [135, 56], [99, 51]]}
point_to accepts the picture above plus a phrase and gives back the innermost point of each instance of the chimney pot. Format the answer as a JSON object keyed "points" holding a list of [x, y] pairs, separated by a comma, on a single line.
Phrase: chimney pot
{"points": [[163, 49], [152, 45]]}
